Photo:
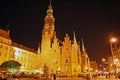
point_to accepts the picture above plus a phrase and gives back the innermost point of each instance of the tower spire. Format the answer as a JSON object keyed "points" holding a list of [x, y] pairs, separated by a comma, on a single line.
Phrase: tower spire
{"points": [[83, 46], [50, 11], [7, 28], [38, 51], [74, 40], [49, 19], [50, 2]]}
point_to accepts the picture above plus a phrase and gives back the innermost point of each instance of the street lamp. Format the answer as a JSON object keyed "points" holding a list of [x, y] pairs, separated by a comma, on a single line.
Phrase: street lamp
{"points": [[112, 40], [103, 60]]}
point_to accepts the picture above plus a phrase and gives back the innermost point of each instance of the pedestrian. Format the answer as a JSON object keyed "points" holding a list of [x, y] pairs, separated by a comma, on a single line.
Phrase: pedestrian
{"points": [[0, 78], [16, 78], [4, 79], [54, 76]]}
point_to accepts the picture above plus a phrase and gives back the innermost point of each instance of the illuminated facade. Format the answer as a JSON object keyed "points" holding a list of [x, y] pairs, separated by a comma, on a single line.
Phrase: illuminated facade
{"points": [[13, 51], [114, 61], [59, 56]]}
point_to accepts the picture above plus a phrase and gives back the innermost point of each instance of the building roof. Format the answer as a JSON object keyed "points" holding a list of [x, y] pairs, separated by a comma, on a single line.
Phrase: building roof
{"points": [[23, 47], [4, 34]]}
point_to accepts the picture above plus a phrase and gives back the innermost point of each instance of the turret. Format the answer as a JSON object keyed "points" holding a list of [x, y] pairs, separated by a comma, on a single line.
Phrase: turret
{"points": [[83, 46], [85, 59], [48, 35], [49, 22]]}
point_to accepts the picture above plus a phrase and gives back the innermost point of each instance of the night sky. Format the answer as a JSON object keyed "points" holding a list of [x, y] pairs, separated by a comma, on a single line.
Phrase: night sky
{"points": [[94, 20]]}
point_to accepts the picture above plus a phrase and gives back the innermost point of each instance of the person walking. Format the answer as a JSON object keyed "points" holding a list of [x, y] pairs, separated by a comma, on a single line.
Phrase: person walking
{"points": [[4, 79], [0, 78], [54, 76]]}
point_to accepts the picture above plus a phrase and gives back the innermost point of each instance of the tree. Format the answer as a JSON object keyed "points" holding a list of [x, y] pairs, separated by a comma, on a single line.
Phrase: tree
{"points": [[12, 66]]}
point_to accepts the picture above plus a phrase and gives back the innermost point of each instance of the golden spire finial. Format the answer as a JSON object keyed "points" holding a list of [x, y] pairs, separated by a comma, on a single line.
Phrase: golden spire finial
{"points": [[74, 38], [83, 46], [50, 2], [50, 5]]}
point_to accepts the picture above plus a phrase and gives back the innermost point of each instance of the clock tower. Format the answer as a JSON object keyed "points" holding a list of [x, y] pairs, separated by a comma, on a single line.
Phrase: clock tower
{"points": [[48, 34]]}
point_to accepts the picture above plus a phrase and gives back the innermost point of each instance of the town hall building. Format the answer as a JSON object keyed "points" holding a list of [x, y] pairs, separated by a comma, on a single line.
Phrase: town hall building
{"points": [[60, 57]]}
